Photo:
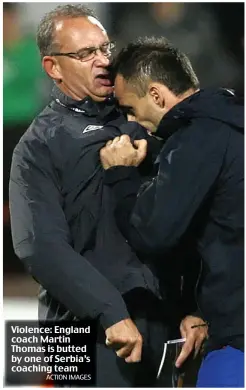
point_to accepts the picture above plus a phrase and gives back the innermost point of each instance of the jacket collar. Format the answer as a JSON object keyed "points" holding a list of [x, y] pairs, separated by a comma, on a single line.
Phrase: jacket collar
{"points": [[178, 116], [86, 106], [214, 103]]}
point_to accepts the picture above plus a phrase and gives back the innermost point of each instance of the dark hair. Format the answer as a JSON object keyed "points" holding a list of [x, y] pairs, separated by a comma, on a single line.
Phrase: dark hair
{"points": [[45, 32], [158, 60]]}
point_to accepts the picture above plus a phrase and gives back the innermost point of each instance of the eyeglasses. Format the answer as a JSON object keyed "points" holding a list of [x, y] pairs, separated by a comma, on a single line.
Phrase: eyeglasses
{"points": [[88, 53]]}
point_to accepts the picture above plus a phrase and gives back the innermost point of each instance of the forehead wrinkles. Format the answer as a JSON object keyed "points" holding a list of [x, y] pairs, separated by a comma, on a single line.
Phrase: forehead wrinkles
{"points": [[77, 33]]}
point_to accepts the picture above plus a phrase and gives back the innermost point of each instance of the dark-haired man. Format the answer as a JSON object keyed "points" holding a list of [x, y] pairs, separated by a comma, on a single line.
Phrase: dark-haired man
{"points": [[197, 195], [61, 214]]}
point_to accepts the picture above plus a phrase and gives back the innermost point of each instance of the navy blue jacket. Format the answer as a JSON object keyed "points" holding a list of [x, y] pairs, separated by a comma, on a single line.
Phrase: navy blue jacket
{"points": [[62, 222], [197, 196]]}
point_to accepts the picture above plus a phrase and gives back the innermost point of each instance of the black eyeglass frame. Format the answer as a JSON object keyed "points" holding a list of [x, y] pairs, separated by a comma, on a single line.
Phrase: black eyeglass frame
{"points": [[109, 46]]}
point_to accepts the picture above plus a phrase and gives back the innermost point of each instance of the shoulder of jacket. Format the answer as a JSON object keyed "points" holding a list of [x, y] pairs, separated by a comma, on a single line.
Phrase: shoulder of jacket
{"points": [[205, 126], [44, 128]]}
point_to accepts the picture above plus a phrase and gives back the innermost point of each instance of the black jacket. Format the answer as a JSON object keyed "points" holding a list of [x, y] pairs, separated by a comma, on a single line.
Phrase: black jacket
{"points": [[197, 196], [62, 223]]}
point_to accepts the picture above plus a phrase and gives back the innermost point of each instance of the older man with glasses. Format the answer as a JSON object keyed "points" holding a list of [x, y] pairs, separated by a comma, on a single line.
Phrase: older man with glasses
{"points": [[62, 222]]}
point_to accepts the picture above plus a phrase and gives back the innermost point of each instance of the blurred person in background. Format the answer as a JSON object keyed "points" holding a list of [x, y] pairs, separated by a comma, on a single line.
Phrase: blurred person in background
{"points": [[22, 73], [61, 214], [22, 78], [193, 28], [197, 194]]}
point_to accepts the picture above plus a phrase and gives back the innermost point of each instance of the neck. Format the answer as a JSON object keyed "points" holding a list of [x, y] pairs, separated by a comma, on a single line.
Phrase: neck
{"points": [[77, 97], [68, 92], [186, 94], [172, 100]]}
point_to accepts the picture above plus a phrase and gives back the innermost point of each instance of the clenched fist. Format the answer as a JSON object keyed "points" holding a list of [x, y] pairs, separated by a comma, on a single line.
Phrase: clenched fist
{"points": [[120, 151], [125, 338]]}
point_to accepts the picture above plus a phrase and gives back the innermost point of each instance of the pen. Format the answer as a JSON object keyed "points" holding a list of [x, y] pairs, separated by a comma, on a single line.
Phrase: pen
{"points": [[198, 326]]}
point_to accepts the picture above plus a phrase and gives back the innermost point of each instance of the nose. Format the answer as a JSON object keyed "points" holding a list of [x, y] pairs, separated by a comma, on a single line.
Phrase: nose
{"points": [[101, 59]]}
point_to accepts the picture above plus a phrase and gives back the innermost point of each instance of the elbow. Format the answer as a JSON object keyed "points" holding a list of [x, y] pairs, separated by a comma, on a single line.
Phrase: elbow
{"points": [[26, 254], [154, 240], [23, 249]]}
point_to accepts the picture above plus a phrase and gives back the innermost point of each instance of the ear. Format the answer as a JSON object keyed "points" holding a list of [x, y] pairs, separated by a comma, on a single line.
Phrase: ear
{"points": [[52, 68], [156, 94]]}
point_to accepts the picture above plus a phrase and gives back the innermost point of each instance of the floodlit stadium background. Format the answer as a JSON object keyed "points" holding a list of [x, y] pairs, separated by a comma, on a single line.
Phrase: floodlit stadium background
{"points": [[211, 34]]}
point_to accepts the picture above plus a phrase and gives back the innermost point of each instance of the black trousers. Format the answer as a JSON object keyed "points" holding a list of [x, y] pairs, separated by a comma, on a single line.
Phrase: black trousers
{"points": [[147, 314], [111, 371]]}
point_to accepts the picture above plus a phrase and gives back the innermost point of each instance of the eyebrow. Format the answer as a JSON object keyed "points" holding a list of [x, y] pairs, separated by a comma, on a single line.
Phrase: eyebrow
{"points": [[90, 47]]}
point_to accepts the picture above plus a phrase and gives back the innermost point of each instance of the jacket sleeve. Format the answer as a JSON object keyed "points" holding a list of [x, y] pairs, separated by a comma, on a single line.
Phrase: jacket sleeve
{"points": [[42, 240], [153, 219]]}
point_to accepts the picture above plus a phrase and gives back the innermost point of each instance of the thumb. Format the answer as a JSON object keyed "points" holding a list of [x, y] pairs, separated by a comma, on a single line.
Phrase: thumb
{"points": [[185, 351], [125, 139], [141, 146], [103, 152]]}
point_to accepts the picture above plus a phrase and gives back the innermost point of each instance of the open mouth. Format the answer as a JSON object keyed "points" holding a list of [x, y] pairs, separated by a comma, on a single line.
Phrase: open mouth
{"points": [[104, 79], [102, 76]]}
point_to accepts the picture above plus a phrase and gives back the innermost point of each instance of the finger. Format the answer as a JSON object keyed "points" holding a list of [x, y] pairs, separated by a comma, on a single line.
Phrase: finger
{"points": [[125, 351], [103, 153], [115, 140], [109, 142], [205, 333], [198, 345], [197, 349], [125, 139], [136, 354], [108, 342], [115, 345], [141, 144], [141, 148], [138, 142], [185, 351], [183, 331]]}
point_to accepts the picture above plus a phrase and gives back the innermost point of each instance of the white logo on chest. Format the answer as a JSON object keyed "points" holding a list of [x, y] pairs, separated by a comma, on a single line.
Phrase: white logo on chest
{"points": [[91, 128]]}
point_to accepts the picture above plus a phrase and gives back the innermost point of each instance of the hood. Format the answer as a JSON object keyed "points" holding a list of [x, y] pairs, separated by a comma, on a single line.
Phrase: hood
{"points": [[220, 105]]}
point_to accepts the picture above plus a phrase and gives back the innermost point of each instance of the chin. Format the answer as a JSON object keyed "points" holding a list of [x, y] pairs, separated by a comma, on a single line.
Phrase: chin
{"points": [[108, 90], [152, 129], [105, 90], [102, 94]]}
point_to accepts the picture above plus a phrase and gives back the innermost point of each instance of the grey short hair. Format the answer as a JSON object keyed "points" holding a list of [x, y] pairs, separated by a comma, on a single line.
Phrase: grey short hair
{"points": [[45, 32]]}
